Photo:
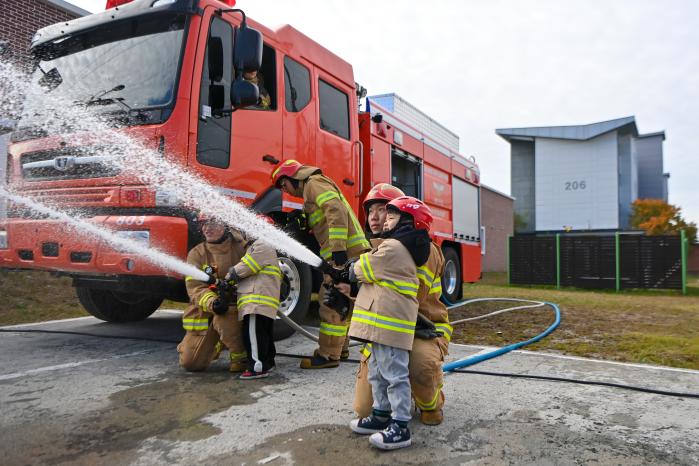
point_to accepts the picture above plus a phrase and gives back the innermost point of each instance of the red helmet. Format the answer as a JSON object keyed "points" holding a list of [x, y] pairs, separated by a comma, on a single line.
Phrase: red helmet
{"points": [[382, 192], [422, 215], [288, 168]]}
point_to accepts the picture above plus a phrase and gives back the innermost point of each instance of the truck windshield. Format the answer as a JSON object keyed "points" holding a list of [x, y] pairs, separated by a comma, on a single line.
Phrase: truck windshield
{"points": [[126, 68]]}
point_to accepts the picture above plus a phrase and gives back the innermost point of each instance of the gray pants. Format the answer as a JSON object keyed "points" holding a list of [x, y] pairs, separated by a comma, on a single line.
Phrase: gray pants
{"points": [[388, 376]]}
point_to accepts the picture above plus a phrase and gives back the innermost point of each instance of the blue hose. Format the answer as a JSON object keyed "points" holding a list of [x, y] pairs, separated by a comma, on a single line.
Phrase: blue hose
{"points": [[500, 351]]}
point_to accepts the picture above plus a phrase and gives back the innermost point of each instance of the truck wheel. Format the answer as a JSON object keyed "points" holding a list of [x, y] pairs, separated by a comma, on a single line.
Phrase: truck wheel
{"points": [[114, 306], [451, 280], [295, 295]]}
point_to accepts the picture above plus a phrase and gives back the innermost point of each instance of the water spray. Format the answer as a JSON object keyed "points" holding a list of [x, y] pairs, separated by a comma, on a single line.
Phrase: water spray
{"points": [[153, 256], [134, 158]]}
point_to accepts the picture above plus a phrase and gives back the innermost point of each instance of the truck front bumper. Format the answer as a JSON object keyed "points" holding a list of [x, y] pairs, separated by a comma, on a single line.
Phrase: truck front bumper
{"points": [[52, 245]]}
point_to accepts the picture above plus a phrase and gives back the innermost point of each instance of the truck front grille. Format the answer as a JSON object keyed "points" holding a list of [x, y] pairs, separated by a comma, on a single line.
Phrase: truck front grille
{"points": [[67, 164]]}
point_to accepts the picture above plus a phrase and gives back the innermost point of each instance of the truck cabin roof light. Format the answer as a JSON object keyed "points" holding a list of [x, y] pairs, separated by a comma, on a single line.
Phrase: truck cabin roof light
{"points": [[158, 3]]}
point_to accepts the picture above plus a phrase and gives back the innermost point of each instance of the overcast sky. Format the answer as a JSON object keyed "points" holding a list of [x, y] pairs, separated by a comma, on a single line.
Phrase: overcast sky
{"points": [[479, 65]]}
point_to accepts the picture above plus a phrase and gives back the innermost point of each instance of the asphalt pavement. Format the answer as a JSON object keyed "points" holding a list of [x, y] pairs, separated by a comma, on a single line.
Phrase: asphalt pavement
{"points": [[77, 399]]}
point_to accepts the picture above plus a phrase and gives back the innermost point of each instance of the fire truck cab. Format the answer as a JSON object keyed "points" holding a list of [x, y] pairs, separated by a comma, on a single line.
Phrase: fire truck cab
{"points": [[171, 62]]}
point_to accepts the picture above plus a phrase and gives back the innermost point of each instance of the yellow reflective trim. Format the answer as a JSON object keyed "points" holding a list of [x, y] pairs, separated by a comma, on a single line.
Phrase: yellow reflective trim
{"points": [[333, 330], [358, 239], [204, 299], [373, 323], [188, 278], [238, 356], [250, 262], [430, 405], [325, 253], [272, 270], [383, 317], [315, 218], [322, 198], [195, 324]]}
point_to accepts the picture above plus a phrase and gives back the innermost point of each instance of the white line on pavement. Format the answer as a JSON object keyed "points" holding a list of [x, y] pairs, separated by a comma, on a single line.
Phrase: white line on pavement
{"points": [[59, 321], [57, 367]]}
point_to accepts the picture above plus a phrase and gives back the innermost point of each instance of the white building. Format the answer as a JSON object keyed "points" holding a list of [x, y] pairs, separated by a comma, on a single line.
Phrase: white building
{"points": [[583, 177]]}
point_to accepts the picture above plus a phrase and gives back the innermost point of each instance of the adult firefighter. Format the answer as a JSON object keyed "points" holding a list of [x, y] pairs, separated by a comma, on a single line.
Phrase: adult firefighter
{"points": [[433, 330], [211, 320], [340, 236]]}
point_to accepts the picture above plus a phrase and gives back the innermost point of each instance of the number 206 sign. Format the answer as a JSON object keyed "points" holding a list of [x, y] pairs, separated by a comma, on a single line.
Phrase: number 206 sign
{"points": [[575, 185]]}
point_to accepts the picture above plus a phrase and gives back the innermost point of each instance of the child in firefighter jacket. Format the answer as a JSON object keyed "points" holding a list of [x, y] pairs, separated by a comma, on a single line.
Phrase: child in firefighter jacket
{"points": [[258, 281], [385, 314]]}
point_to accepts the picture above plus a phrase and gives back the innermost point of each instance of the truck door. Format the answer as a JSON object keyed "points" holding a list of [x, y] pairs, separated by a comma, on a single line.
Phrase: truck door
{"points": [[336, 153], [298, 112], [231, 147]]}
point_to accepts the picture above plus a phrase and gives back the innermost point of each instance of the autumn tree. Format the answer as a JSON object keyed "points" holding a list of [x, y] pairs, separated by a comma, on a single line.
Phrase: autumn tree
{"points": [[657, 217]]}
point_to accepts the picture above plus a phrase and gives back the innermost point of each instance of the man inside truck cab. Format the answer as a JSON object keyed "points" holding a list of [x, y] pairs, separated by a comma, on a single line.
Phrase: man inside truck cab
{"points": [[257, 79], [341, 238]]}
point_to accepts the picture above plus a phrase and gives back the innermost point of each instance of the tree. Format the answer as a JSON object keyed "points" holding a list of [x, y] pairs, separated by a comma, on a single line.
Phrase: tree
{"points": [[657, 217]]}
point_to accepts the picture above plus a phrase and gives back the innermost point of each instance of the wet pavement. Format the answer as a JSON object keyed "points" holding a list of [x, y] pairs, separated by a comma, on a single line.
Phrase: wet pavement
{"points": [[76, 399]]}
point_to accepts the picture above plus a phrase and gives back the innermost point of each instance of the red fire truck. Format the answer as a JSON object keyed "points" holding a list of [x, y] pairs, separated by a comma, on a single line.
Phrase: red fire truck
{"points": [[162, 69]]}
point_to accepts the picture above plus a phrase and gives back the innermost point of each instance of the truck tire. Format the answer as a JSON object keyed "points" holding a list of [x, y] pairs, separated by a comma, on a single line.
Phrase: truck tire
{"points": [[451, 280], [115, 306], [295, 294]]}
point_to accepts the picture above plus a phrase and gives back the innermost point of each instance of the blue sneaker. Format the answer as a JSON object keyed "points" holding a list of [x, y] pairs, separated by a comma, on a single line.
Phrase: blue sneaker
{"points": [[369, 425], [392, 437]]}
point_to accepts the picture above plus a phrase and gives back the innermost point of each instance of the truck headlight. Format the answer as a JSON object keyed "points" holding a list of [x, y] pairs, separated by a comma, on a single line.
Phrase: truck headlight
{"points": [[140, 237], [165, 198], [3, 239]]}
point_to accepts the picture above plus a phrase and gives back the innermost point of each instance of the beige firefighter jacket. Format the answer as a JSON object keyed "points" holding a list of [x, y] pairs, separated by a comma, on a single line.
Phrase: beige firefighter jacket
{"points": [[431, 290], [222, 256], [386, 307], [330, 216], [259, 281]]}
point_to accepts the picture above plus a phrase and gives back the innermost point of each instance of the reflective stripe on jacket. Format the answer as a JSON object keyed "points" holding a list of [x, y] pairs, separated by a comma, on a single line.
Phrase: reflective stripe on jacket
{"points": [[259, 281], [222, 257], [331, 218], [386, 307]]}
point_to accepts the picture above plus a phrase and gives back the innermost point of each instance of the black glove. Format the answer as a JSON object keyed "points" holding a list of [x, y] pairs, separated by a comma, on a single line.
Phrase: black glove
{"points": [[296, 221], [339, 258], [220, 306], [425, 329], [337, 301], [232, 276]]}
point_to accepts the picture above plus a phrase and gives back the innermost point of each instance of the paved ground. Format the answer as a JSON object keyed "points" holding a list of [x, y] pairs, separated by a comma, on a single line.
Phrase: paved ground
{"points": [[90, 400]]}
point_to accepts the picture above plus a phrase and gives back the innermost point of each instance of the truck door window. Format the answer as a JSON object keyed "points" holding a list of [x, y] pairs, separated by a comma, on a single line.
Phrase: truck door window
{"points": [[406, 172], [214, 129], [266, 80], [297, 85], [334, 110]]}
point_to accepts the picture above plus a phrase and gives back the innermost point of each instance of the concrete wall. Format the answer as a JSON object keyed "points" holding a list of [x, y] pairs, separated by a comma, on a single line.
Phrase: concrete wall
{"points": [[649, 154], [576, 183], [628, 178], [497, 217], [522, 182]]}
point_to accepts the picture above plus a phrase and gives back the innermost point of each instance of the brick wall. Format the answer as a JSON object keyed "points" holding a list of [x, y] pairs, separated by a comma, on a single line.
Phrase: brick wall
{"points": [[693, 259], [497, 217], [20, 19]]}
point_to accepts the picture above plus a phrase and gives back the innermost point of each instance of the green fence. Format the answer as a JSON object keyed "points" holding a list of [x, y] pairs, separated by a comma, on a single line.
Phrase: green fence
{"points": [[619, 261]]}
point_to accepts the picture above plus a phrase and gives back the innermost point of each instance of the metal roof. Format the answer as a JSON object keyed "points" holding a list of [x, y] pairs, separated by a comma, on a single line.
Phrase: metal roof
{"points": [[576, 132]]}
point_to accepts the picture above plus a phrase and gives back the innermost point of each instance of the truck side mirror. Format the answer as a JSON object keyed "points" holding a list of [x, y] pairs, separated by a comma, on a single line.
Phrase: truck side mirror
{"points": [[247, 52], [215, 59], [244, 93]]}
